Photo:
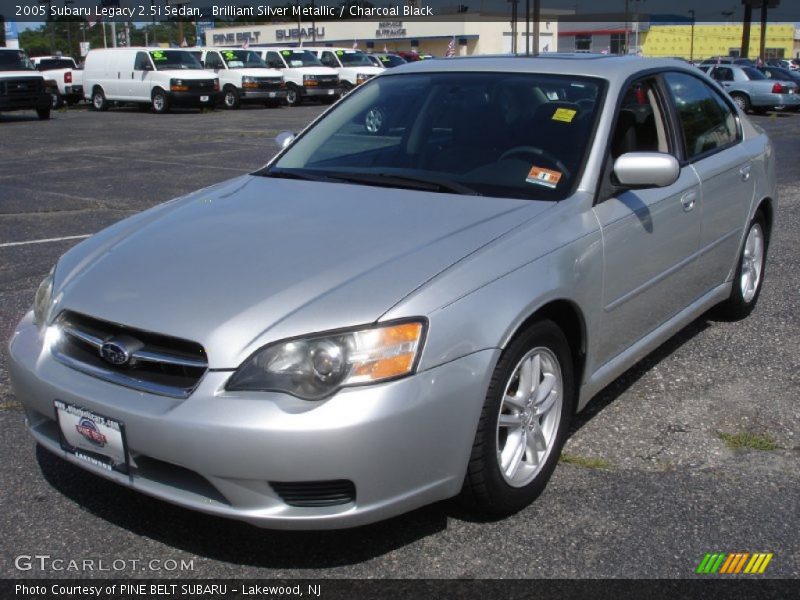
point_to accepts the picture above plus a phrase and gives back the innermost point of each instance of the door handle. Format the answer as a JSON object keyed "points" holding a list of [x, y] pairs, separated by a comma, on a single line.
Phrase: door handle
{"points": [[745, 173], [688, 200]]}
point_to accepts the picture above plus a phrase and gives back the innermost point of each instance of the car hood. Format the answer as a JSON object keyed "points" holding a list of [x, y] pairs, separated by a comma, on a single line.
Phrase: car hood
{"points": [[256, 259], [257, 72], [188, 73]]}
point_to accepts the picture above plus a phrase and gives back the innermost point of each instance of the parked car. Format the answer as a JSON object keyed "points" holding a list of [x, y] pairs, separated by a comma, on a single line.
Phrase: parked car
{"points": [[783, 63], [390, 60], [353, 66], [374, 322], [21, 86], [779, 74], [243, 76], [375, 61], [67, 78], [305, 76], [727, 60], [751, 89], [157, 77]]}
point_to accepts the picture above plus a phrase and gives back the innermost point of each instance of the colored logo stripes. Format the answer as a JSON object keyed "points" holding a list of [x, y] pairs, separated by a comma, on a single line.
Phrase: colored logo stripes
{"points": [[734, 563]]}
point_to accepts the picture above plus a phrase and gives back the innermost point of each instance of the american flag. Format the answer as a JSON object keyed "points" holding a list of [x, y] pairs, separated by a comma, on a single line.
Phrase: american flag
{"points": [[355, 44], [246, 43], [451, 48], [184, 43], [385, 49]]}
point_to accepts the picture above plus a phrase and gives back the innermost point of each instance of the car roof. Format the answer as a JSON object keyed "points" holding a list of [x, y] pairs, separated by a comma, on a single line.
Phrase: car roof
{"points": [[613, 68]]}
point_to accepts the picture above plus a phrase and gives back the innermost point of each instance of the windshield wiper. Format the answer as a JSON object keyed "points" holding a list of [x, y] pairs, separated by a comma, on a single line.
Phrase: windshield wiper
{"points": [[407, 181], [296, 174]]}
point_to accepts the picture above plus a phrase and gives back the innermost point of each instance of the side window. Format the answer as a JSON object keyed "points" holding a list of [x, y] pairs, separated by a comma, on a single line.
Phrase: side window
{"points": [[724, 74], [142, 61], [640, 122], [213, 61], [274, 61], [329, 60], [707, 121]]}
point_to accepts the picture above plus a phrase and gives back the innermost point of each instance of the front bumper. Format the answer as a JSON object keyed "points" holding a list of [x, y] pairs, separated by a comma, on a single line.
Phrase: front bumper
{"points": [[403, 444], [194, 98], [315, 92], [27, 102], [261, 95]]}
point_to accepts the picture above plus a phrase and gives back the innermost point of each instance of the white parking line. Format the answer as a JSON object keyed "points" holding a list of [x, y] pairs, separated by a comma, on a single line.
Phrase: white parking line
{"points": [[45, 241]]}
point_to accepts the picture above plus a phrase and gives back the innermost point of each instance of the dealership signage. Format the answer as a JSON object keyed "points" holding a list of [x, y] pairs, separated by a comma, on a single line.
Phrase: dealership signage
{"points": [[221, 39], [299, 33], [390, 29]]}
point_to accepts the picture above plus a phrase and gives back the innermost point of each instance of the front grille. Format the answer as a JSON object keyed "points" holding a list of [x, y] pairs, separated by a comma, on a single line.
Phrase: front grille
{"points": [[200, 85], [158, 364], [328, 81], [23, 87], [269, 83], [315, 493]]}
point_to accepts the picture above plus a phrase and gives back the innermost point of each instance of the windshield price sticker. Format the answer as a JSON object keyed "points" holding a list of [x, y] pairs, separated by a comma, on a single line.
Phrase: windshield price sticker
{"points": [[158, 55]]}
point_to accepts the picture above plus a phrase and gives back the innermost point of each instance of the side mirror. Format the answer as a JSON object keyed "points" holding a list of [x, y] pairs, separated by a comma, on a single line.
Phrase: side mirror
{"points": [[646, 169], [284, 138]]}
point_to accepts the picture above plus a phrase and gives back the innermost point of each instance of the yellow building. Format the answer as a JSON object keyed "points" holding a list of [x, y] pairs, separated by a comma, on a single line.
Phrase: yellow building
{"points": [[717, 40]]}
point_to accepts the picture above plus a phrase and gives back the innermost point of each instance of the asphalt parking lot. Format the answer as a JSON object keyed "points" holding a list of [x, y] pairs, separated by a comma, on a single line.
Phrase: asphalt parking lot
{"points": [[647, 485]]}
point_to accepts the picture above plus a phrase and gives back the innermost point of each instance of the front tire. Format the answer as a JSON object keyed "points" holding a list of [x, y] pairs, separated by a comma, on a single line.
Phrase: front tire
{"points": [[230, 98], [524, 422], [293, 96], [749, 275], [43, 113], [160, 101]]}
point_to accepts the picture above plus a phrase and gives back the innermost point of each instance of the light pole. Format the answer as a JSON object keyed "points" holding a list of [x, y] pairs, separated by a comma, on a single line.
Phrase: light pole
{"points": [[691, 43]]}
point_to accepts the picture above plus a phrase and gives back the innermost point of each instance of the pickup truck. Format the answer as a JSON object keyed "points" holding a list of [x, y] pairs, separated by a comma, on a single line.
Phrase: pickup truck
{"points": [[66, 76], [21, 87]]}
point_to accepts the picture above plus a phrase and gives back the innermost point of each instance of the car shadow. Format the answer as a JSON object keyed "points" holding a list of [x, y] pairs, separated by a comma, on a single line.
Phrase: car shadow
{"points": [[231, 541], [235, 542]]}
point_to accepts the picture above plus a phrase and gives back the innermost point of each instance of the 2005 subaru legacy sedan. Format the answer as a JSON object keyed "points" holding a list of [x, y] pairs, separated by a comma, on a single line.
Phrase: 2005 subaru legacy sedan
{"points": [[410, 300]]}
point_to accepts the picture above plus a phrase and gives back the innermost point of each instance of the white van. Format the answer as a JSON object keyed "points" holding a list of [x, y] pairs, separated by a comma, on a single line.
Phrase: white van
{"points": [[160, 77], [304, 75], [354, 67], [243, 76]]}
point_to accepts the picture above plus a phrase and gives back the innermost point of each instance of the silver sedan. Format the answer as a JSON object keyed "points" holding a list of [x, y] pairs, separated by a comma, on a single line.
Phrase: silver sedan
{"points": [[411, 300]]}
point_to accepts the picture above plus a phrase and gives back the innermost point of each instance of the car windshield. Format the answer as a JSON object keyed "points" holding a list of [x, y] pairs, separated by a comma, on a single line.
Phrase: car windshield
{"points": [[174, 59], [14, 60], [353, 58], [300, 58], [753, 73], [238, 59], [391, 60], [514, 135], [48, 64]]}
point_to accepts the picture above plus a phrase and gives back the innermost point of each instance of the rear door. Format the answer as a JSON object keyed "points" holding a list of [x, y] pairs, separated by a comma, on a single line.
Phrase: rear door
{"points": [[650, 236], [711, 134]]}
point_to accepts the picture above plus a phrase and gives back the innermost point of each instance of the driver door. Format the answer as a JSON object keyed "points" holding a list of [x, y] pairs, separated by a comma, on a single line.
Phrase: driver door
{"points": [[650, 236]]}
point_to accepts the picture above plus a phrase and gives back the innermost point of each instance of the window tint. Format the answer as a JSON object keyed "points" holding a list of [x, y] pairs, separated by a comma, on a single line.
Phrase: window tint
{"points": [[722, 74], [753, 73], [640, 123], [329, 60], [142, 61], [213, 61], [708, 123], [274, 60]]}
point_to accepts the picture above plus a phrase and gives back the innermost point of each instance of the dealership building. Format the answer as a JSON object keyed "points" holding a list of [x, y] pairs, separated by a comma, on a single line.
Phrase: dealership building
{"points": [[491, 35]]}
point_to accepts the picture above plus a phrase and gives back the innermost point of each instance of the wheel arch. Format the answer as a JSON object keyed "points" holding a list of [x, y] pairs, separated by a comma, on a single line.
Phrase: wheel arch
{"points": [[766, 208], [568, 316]]}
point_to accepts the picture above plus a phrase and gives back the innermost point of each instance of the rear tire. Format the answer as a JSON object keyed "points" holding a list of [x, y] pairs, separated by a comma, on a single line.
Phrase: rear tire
{"points": [[99, 101], [749, 277], [522, 425], [742, 101], [57, 101]]}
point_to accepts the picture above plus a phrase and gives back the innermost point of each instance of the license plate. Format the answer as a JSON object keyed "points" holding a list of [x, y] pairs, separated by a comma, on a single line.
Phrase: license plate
{"points": [[272, 94], [91, 437], [330, 92], [203, 98]]}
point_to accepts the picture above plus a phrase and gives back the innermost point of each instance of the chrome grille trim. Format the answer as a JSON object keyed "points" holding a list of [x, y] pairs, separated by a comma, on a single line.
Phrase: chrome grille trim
{"points": [[159, 364]]}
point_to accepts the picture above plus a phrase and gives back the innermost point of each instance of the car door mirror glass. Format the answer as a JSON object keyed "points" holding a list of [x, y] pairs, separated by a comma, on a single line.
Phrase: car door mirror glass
{"points": [[646, 169]]}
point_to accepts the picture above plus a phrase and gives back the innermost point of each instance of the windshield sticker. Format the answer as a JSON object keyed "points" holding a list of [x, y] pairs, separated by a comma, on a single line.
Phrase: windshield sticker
{"points": [[286, 52], [546, 177], [229, 54], [565, 115], [339, 53], [158, 55]]}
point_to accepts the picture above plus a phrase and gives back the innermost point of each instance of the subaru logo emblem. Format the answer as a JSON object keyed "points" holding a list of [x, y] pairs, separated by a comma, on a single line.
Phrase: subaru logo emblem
{"points": [[115, 352]]}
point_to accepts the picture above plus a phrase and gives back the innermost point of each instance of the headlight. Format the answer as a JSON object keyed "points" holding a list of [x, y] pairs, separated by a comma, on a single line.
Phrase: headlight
{"points": [[361, 78], [314, 367], [178, 85], [310, 80], [43, 298]]}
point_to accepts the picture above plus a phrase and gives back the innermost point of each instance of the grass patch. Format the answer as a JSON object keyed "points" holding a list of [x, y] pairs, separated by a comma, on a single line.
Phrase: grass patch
{"points": [[582, 461], [10, 405], [752, 441]]}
